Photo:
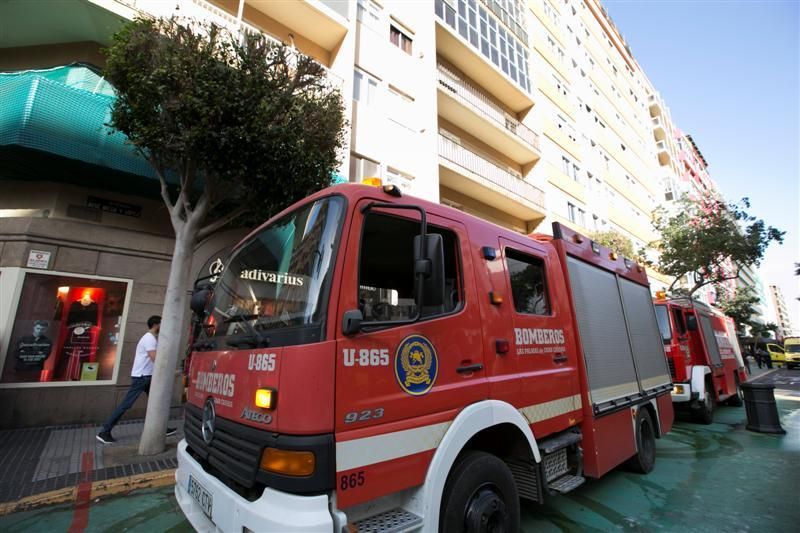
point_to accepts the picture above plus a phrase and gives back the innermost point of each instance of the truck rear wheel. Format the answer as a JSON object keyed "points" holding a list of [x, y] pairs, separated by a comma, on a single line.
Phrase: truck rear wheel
{"points": [[645, 458], [480, 496], [705, 414]]}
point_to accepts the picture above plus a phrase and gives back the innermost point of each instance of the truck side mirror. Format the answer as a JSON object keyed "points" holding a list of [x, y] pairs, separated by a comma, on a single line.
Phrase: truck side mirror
{"points": [[351, 321], [200, 296], [431, 267], [691, 323]]}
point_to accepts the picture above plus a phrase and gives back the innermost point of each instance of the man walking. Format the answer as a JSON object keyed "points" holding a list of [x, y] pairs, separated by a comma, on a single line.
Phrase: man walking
{"points": [[141, 374]]}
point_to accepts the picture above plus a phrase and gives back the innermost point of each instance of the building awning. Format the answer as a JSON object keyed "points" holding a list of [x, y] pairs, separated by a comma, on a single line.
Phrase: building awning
{"points": [[65, 111]]}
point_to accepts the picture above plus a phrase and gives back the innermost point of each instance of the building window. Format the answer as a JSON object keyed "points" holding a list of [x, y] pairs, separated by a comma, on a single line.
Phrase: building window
{"points": [[571, 212], [565, 164], [361, 167], [528, 283], [399, 39], [369, 13], [398, 178], [67, 329], [477, 25], [365, 88]]}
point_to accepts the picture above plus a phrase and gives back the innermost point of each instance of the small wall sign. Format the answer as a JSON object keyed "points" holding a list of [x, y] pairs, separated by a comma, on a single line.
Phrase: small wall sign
{"points": [[38, 259], [111, 206]]}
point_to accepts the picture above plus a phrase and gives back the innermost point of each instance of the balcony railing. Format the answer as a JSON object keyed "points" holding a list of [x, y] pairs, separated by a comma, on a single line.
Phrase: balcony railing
{"points": [[662, 146], [192, 9], [203, 11], [487, 172], [471, 96]]}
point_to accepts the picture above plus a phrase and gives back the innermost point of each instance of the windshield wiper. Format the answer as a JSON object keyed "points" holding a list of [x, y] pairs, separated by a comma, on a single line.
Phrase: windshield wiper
{"points": [[254, 339]]}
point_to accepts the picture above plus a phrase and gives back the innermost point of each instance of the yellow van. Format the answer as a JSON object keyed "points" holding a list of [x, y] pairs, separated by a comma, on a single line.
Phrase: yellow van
{"points": [[776, 353], [791, 346]]}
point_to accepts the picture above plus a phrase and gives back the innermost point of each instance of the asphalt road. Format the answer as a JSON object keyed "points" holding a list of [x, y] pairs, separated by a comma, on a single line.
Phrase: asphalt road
{"points": [[785, 381], [719, 478]]}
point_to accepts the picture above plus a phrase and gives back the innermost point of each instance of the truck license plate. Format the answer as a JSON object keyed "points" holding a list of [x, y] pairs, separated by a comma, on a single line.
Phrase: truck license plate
{"points": [[201, 496]]}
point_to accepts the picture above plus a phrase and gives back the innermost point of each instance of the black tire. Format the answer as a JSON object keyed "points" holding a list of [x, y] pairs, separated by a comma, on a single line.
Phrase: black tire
{"points": [[645, 458], [705, 413], [480, 496], [737, 400]]}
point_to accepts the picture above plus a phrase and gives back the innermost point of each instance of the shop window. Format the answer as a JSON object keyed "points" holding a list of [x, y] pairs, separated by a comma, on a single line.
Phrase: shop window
{"points": [[528, 286], [66, 329], [386, 283]]}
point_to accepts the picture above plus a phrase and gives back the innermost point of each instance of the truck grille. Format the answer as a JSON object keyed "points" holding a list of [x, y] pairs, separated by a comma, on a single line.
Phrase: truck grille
{"points": [[671, 364], [235, 450], [234, 455]]}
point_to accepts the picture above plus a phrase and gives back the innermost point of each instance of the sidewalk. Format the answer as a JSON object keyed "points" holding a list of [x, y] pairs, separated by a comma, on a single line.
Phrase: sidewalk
{"points": [[52, 464]]}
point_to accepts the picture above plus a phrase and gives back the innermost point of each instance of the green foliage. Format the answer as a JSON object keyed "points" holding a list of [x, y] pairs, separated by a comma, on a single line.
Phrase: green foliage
{"points": [[763, 330], [741, 308], [708, 237], [243, 125], [614, 241]]}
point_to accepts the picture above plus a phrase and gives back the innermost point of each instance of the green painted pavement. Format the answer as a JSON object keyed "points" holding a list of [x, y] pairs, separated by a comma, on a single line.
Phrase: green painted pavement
{"points": [[707, 478]]}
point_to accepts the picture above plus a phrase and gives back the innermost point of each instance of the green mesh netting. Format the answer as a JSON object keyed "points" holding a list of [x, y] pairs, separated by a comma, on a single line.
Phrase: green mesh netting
{"points": [[64, 111]]}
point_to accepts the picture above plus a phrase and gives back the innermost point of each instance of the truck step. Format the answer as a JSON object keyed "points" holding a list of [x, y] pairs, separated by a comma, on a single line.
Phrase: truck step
{"points": [[392, 521], [567, 483], [555, 465], [560, 441]]}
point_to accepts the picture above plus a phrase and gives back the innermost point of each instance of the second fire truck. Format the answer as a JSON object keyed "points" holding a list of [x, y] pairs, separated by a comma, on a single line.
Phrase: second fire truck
{"points": [[705, 360]]}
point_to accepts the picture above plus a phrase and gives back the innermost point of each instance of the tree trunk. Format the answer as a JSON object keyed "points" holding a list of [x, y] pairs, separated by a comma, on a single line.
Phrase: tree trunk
{"points": [[169, 340]]}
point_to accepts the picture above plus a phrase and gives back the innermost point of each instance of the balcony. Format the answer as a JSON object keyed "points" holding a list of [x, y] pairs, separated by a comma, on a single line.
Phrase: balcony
{"points": [[654, 105], [662, 150], [469, 173], [464, 105], [322, 21], [469, 60], [658, 128]]}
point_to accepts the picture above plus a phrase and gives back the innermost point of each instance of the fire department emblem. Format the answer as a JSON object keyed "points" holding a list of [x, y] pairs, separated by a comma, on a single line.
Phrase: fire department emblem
{"points": [[416, 365]]}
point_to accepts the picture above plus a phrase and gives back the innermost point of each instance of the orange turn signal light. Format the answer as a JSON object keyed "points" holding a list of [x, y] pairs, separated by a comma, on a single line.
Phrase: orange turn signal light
{"points": [[265, 398], [495, 298], [288, 462]]}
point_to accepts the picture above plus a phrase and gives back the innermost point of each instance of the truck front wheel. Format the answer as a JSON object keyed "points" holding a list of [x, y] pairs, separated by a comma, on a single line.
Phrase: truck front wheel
{"points": [[645, 458], [480, 496], [705, 412]]}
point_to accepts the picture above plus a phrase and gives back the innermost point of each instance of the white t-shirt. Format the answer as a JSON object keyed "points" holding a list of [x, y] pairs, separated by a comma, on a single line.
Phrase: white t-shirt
{"points": [[142, 364]]}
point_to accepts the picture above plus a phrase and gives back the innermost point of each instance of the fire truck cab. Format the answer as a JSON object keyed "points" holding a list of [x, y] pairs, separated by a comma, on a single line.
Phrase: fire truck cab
{"points": [[373, 362], [704, 357]]}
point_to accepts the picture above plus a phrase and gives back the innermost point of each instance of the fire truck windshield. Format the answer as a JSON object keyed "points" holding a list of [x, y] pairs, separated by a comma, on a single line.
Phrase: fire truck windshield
{"points": [[273, 290], [662, 316]]}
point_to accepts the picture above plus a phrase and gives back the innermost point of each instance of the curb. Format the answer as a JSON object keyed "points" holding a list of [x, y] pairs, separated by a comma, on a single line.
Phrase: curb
{"points": [[100, 489]]}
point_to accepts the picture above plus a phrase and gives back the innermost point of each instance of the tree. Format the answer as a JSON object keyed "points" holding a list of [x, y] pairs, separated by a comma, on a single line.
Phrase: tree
{"points": [[740, 308], [709, 238], [236, 127], [614, 241]]}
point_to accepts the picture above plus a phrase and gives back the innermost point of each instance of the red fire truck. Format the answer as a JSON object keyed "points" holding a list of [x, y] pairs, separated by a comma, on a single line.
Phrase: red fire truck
{"points": [[703, 354], [372, 362]]}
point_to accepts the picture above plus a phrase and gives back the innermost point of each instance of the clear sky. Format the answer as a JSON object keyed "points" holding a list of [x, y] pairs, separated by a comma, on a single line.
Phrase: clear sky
{"points": [[728, 71]]}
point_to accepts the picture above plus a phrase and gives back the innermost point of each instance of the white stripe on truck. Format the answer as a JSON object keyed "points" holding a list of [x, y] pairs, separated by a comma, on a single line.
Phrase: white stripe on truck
{"points": [[357, 453]]}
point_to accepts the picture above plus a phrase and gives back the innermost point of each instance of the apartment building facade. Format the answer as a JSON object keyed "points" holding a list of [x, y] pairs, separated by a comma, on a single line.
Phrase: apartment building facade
{"points": [[781, 312], [519, 112]]}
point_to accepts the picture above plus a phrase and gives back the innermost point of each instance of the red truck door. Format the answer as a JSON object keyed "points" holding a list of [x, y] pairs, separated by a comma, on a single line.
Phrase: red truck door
{"points": [[543, 352], [398, 387]]}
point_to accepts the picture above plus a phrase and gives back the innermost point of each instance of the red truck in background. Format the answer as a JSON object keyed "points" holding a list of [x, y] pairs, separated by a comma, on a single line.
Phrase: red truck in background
{"points": [[705, 360], [373, 362]]}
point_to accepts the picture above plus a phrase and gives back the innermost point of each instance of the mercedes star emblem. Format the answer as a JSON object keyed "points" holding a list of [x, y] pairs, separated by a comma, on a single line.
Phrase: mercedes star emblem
{"points": [[207, 427]]}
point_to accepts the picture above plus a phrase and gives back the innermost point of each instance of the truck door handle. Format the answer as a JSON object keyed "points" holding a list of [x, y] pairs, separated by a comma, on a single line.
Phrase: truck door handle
{"points": [[469, 368], [559, 358]]}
